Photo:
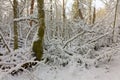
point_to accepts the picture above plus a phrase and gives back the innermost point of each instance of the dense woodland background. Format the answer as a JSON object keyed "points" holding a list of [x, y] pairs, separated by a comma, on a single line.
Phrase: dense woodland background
{"points": [[58, 34]]}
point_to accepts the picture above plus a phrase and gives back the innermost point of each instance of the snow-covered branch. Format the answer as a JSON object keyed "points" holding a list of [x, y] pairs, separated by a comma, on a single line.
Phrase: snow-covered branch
{"points": [[26, 18], [71, 39], [95, 39]]}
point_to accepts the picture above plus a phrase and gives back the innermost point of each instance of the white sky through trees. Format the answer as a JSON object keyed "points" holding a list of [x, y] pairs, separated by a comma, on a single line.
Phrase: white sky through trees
{"points": [[97, 3]]}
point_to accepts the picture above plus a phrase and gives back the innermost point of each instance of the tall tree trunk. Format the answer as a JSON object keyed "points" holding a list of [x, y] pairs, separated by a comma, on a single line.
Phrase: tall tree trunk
{"points": [[114, 23], [90, 7], [52, 32], [94, 15], [38, 44], [15, 12], [27, 4], [64, 17], [64, 11], [51, 10], [31, 10], [79, 10]]}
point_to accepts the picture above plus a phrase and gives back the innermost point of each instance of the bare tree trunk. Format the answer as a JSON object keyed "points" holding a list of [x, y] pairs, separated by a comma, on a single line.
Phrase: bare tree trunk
{"points": [[115, 18], [15, 12], [27, 4], [51, 19], [94, 15], [38, 44], [64, 11], [64, 17], [79, 10], [51, 10], [31, 10], [90, 17]]}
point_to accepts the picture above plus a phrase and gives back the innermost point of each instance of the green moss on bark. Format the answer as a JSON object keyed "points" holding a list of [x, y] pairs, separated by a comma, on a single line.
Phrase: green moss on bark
{"points": [[38, 45]]}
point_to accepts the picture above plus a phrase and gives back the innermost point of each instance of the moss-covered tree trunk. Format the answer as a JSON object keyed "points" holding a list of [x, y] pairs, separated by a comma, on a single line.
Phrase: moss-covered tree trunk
{"points": [[15, 12], [38, 44]]}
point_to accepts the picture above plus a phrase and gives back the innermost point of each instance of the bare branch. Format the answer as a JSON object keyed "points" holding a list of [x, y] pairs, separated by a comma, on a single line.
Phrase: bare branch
{"points": [[4, 41]]}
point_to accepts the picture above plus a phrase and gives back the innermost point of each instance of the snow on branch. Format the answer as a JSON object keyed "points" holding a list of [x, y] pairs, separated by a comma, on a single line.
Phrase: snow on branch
{"points": [[71, 39], [26, 18], [95, 39]]}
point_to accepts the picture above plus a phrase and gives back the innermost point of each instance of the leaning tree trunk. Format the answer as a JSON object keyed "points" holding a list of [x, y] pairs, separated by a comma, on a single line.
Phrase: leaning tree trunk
{"points": [[15, 12], [38, 44]]}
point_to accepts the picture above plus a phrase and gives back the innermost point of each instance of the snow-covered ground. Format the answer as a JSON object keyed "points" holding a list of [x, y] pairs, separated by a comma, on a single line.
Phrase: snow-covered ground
{"points": [[108, 71]]}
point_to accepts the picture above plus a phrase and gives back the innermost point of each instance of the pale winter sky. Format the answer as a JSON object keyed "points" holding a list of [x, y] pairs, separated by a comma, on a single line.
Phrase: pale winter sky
{"points": [[98, 4]]}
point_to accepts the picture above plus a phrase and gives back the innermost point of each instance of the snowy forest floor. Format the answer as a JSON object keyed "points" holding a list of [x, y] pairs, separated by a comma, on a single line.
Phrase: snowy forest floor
{"points": [[106, 71]]}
